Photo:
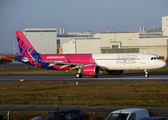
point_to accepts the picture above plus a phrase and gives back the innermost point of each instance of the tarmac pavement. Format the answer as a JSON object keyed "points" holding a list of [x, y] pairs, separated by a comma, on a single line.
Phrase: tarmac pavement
{"points": [[153, 111]]}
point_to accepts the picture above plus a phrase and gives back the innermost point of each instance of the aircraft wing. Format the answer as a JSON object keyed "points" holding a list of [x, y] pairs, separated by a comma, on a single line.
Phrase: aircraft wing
{"points": [[72, 65]]}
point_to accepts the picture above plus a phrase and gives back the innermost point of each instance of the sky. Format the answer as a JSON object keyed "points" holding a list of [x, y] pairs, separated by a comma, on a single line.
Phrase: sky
{"points": [[77, 16]]}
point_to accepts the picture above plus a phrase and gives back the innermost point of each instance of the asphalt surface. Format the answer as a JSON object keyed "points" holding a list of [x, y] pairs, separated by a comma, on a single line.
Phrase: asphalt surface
{"points": [[103, 78], [153, 111]]}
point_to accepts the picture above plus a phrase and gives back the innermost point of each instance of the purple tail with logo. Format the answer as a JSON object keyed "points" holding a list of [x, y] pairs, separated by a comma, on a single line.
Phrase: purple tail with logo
{"points": [[26, 49]]}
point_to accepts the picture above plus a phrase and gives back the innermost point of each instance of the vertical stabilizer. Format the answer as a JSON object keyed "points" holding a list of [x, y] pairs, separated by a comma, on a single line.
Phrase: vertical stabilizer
{"points": [[60, 50], [26, 49]]}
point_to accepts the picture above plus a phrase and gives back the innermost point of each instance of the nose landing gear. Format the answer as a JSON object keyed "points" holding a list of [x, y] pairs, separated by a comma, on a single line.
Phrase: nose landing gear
{"points": [[146, 73]]}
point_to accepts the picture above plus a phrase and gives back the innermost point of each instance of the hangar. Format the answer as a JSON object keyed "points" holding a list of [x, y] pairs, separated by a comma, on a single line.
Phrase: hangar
{"points": [[150, 41], [122, 42], [43, 40], [48, 40]]}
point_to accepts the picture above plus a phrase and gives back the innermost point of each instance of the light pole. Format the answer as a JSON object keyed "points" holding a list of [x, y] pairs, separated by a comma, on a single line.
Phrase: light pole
{"points": [[57, 104]]}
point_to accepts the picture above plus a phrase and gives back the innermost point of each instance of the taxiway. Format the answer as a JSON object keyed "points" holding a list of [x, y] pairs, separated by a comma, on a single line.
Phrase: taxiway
{"points": [[124, 77]]}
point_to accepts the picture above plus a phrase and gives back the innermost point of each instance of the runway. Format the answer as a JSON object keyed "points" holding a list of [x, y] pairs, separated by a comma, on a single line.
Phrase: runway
{"points": [[102, 78]]}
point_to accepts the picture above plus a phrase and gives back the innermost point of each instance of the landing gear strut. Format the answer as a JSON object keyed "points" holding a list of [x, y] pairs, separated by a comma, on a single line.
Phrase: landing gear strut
{"points": [[79, 74], [146, 73]]}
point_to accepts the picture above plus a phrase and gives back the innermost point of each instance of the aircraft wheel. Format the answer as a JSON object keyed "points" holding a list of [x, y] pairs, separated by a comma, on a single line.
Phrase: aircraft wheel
{"points": [[146, 75], [79, 75]]}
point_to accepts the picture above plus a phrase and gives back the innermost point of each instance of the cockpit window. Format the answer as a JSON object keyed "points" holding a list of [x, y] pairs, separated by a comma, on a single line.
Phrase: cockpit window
{"points": [[155, 58]]}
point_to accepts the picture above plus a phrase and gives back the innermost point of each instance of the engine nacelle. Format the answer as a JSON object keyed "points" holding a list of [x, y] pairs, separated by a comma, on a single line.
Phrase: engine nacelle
{"points": [[91, 70], [115, 72]]}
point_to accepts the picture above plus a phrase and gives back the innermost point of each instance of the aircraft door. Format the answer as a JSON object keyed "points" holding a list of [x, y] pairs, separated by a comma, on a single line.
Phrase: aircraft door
{"points": [[67, 60], [91, 60]]}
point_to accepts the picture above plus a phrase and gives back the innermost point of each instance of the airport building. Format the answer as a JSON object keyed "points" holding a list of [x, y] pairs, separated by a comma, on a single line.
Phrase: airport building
{"points": [[165, 25], [47, 41], [43, 40], [150, 41]]}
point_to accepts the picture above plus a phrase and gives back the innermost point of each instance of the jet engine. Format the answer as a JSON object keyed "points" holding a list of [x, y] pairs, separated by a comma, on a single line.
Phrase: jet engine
{"points": [[115, 72], [91, 70]]}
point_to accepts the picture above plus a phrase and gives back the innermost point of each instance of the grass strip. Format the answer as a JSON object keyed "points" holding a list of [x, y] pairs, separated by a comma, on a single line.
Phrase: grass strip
{"points": [[115, 93]]}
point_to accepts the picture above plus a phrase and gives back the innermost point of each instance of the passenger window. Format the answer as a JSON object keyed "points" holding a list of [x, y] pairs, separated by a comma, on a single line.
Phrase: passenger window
{"points": [[68, 116], [74, 115], [132, 116]]}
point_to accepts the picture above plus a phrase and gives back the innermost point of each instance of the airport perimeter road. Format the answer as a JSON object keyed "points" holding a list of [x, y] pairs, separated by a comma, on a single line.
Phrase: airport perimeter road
{"points": [[124, 77], [83, 108]]}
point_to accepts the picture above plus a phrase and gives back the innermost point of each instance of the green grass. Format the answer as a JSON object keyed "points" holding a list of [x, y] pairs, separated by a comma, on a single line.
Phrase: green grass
{"points": [[117, 93]]}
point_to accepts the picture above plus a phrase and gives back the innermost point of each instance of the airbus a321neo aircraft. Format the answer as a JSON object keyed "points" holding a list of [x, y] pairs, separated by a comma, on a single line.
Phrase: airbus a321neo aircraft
{"points": [[87, 64]]}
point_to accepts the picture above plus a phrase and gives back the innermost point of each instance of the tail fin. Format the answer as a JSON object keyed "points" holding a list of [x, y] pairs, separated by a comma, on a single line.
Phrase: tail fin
{"points": [[60, 50], [26, 49]]}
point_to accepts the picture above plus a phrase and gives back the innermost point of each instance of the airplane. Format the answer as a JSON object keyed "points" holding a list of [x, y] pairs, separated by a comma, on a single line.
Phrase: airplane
{"points": [[87, 64]]}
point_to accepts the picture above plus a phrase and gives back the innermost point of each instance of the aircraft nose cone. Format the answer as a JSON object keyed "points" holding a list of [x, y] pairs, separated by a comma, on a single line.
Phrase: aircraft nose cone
{"points": [[162, 63]]}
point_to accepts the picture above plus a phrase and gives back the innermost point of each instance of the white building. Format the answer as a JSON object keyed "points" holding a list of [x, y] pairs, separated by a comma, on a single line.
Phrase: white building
{"points": [[61, 38], [122, 42], [43, 40], [46, 40], [151, 41], [128, 42], [165, 25]]}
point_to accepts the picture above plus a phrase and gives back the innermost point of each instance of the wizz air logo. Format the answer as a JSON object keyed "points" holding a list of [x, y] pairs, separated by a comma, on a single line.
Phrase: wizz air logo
{"points": [[126, 59]]}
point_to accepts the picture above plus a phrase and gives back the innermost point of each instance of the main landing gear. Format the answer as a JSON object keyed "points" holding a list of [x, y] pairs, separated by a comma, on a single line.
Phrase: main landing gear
{"points": [[79, 74], [146, 73]]}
